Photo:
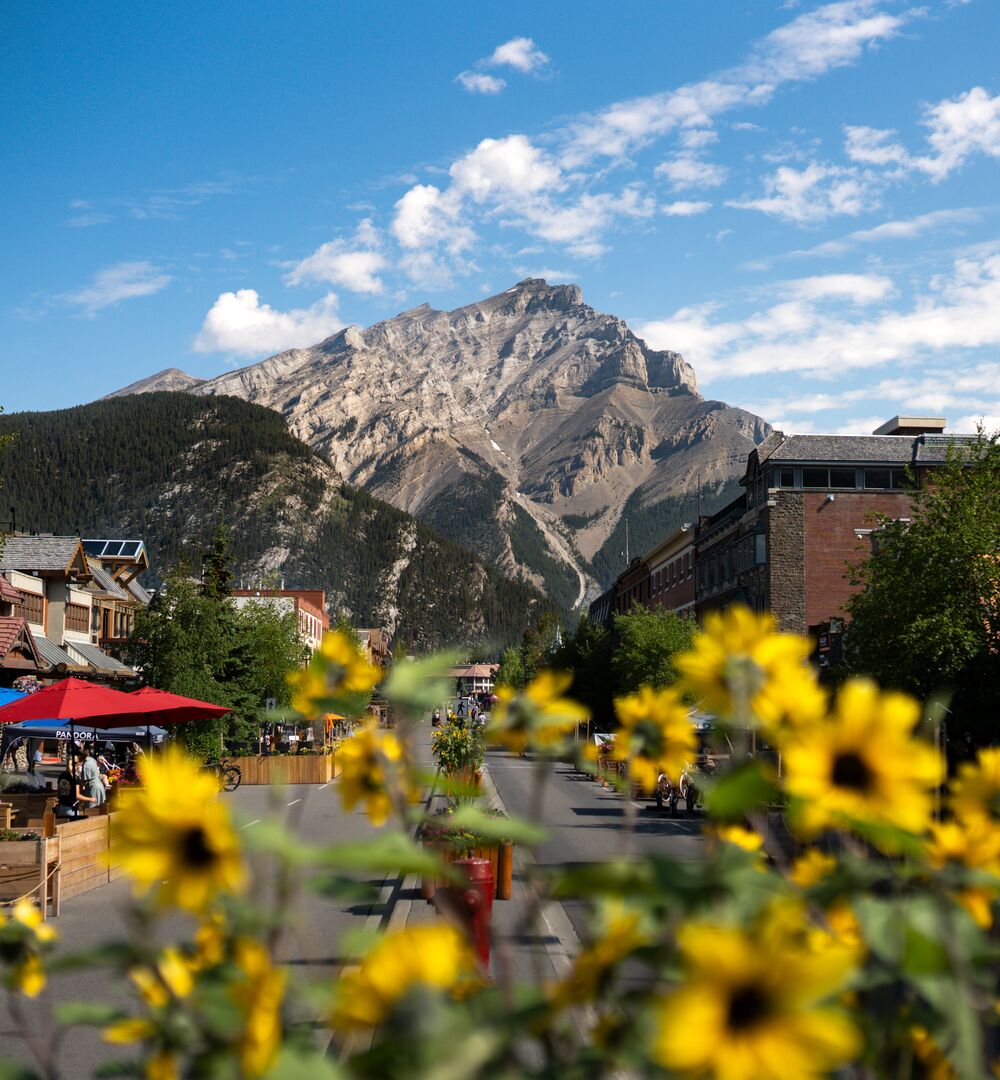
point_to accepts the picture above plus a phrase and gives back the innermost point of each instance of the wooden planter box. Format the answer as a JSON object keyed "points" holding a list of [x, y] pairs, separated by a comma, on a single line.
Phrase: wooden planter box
{"points": [[31, 868], [85, 853], [287, 768], [500, 855], [28, 808]]}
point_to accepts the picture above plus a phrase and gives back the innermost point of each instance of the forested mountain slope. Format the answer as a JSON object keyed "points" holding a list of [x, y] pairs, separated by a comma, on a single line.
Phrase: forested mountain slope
{"points": [[167, 467]]}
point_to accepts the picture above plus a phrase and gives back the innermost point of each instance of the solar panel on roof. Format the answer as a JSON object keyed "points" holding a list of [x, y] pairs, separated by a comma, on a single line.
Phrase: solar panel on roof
{"points": [[131, 549]]}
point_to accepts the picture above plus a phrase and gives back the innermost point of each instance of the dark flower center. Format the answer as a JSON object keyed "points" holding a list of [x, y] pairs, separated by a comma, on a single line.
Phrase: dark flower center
{"points": [[850, 770], [747, 1007], [195, 849]]}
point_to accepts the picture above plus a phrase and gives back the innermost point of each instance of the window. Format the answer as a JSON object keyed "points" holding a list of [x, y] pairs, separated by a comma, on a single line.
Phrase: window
{"points": [[885, 478], [786, 476], [30, 608], [815, 478], [843, 478], [78, 618]]}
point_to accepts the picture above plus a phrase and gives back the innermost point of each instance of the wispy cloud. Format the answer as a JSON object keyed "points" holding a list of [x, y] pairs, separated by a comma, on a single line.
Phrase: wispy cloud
{"points": [[520, 53], [813, 194], [685, 208], [161, 204], [123, 281], [901, 229], [354, 263]]}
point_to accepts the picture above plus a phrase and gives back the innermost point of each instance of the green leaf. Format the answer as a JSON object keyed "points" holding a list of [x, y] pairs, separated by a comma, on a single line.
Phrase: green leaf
{"points": [[749, 785], [10, 1070], [416, 687], [390, 851], [615, 878], [271, 837], [70, 1013], [490, 827], [293, 1063], [347, 890]]}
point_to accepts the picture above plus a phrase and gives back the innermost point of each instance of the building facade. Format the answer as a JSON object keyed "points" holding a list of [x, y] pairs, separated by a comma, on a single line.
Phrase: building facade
{"points": [[308, 606], [474, 679]]}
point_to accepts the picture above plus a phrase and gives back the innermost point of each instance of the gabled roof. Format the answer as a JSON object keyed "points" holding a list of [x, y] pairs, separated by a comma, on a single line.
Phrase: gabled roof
{"points": [[105, 583], [14, 629], [56, 657], [142, 594], [97, 658], [8, 593], [47, 554]]}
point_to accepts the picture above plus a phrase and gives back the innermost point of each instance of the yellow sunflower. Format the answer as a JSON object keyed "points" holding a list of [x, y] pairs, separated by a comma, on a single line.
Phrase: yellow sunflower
{"points": [[171, 976], [436, 957], [259, 994], [755, 1006], [22, 940], [177, 838], [539, 717], [975, 791], [739, 835], [656, 735], [339, 670], [366, 759], [746, 672], [811, 868], [863, 763], [973, 842]]}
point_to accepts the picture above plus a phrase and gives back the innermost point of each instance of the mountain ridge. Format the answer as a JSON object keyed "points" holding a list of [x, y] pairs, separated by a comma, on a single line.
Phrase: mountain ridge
{"points": [[558, 410]]}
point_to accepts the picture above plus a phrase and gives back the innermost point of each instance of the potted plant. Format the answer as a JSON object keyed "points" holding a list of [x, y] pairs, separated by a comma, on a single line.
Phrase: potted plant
{"points": [[453, 843]]}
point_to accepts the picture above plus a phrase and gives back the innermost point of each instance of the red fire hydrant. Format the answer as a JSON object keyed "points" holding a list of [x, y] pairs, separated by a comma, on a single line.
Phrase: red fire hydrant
{"points": [[473, 902]]}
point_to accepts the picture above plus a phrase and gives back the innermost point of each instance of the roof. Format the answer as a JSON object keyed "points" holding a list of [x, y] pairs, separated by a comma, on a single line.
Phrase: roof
{"points": [[104, 581], [8, 593], [11, 628], [39, 552], [142, 594], [97, 658], [474, 671], [50, 652]]}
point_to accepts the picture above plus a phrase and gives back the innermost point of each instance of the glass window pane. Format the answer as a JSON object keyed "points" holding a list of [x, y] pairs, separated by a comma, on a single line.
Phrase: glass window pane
{"points": [[898, 478], [787, 476], [815, 478], [877, 478], [845, 478]]}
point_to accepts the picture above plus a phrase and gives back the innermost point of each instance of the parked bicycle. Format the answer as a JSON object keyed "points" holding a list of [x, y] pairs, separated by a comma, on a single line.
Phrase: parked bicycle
{"points": [[230, 776]]}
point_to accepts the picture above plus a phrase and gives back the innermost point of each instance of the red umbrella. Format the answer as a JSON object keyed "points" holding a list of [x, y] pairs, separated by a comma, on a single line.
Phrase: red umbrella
{"points": [[73, 699], [162, 707]]}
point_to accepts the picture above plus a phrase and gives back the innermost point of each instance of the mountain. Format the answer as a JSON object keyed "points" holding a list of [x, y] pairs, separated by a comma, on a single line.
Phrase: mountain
{"points": [[166, 467], [168, 379], [523, 426]]}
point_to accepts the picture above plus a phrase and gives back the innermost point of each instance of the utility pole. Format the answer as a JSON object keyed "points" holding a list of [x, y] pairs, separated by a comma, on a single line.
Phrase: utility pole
{"points": [[626, 541]]}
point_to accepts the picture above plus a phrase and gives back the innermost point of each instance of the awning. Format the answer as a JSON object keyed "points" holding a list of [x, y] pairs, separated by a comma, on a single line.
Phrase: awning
{"points": [[56, 657], [97, 658], [80, 732]]}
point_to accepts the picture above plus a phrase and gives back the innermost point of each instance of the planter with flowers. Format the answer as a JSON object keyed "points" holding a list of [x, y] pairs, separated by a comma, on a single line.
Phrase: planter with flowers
{"points": [[454, 841]]}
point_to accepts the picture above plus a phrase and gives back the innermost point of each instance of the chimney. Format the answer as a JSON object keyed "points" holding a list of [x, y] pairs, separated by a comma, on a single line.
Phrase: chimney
{"points": [[912, 425]]}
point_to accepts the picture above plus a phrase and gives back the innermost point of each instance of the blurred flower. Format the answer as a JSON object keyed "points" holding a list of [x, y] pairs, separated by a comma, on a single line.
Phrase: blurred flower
{"points": [[539, 717], [259, 994], [935, 1066], [437, 957], [753, 1007], [656, 735], [623, 934], [132, 1029], [973, 842], [364, 758], [176, 836], [339, 669], [975, 791], [746, 672], [22, 938], [738, 835], [170, 976], [863, 763], [811, 867]]}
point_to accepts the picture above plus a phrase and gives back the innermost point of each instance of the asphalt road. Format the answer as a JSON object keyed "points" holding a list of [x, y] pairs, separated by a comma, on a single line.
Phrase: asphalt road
{"points": [[314, 930], [588, 823]]}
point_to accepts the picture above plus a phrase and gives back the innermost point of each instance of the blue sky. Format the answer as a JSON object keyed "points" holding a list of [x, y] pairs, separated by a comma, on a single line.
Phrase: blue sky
{"points": [[802, 198]]}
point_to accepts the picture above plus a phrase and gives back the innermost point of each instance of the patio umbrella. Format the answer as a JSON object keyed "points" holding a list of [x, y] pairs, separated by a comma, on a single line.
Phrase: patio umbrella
{"points": [[72, 699], [7, 696], [167, 708]]}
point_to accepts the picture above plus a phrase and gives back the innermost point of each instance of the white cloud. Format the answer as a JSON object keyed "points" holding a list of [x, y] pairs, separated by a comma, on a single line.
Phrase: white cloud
{"points": [[813, 194], [239, 323], [89, 219], [478, 82], [957, 312], [959, 128], [123, 281], [686, 171], [859, 288], [990, 421], [351, 263], [685, 209], [520, 53], [501, 167], [698, 138], [813, 43], [426, 217]]}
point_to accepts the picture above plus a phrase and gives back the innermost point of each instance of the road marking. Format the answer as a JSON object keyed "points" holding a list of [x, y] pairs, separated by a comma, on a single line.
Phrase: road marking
{"points": [[293, 802], [256, 821], [327, 784]]}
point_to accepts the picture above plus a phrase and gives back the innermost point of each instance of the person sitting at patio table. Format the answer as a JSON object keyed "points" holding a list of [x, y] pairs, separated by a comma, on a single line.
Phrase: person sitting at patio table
{"points": [[92, 784]]}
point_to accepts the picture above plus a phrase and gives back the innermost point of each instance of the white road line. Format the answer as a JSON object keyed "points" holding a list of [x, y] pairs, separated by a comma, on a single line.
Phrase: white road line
{"points": [[327, 784], [293, 802], [256, 821]]}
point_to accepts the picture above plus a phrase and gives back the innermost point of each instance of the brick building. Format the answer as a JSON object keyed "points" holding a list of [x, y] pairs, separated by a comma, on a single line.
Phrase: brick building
{"points": [[808, 507]]}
